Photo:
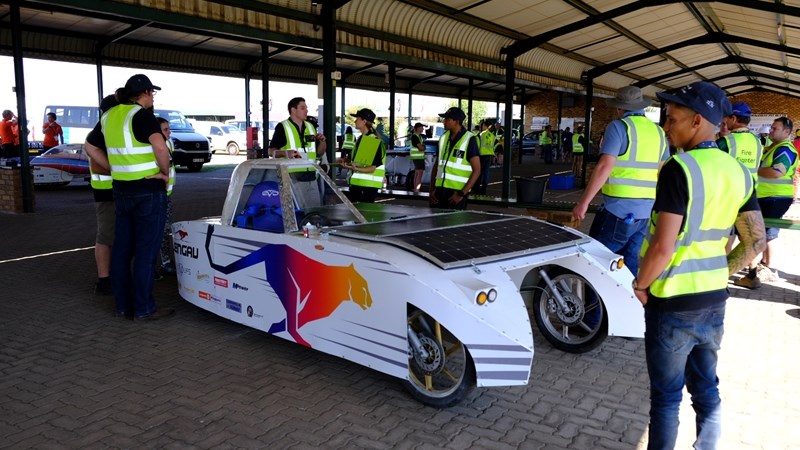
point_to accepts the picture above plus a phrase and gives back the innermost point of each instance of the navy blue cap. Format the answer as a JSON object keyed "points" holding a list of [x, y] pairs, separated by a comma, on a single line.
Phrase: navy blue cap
{"points": [[742, 109], [366, 114], [140, 83], [704, 98], [454, 113]]}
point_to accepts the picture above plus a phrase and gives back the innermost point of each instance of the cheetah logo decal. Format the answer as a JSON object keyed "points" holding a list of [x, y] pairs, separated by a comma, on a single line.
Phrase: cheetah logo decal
{"points": [[308, 289]]}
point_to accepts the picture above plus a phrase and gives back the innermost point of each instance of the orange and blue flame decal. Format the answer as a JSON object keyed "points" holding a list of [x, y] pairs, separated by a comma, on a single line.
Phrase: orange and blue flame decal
{"points": [[308, 289]]}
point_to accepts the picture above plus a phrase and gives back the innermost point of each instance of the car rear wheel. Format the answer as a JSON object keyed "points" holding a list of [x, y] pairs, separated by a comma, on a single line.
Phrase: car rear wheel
{"points": [[444, 373], [581, 324], [232, 148]]}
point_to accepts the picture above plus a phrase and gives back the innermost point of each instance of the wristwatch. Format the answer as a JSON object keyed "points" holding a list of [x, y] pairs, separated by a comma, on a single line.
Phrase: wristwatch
{"points": [[635, 286]]}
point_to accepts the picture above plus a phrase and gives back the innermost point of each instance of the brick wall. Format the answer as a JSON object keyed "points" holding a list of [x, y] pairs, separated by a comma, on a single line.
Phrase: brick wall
{"points": [[11, 190], [545, 104], [770, 103]]}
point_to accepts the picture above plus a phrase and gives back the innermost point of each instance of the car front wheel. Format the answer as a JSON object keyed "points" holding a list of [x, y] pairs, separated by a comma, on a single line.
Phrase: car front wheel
{"points": [[440, 369], [232, 148], [577, 325]]}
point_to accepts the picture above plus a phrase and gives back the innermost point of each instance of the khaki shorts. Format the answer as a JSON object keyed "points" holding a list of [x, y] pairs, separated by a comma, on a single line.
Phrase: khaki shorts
{"points": [[106, 217]]}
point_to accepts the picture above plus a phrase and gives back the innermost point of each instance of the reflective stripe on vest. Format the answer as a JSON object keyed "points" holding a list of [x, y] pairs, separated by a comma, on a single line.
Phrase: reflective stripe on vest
{"points": [[171, 148], [293, 141], [349, 142], [415, 152], [777, 187], [98, 181], [454, 170], [718, 186], [634, 174], [577, 147], [487, 143], [364, 156], [746, 148], [130, 159], [544, 138]]}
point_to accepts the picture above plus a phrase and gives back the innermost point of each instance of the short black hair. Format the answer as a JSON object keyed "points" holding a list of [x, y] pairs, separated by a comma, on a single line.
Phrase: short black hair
{"points": [[294, 102], [786, 122], [162, 120], [52, 114]]}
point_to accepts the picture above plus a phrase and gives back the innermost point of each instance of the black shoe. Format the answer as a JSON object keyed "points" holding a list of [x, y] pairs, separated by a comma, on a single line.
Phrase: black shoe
{"points": [[157, 275], [168, 269], [123, 315], [103, 287], [160, 313]]}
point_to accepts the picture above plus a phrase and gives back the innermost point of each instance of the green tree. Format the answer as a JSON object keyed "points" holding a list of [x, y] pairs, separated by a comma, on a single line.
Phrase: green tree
{"points": [[478, 110]]}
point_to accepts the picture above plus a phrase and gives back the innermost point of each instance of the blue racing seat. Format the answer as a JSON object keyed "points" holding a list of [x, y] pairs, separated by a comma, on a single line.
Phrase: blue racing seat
{"points": [[263, 210]]}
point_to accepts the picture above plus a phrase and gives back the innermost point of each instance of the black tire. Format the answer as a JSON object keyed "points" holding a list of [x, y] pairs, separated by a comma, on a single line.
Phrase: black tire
{"points": [[447, 374], [232, 148], [583, 327], [195, 167]]}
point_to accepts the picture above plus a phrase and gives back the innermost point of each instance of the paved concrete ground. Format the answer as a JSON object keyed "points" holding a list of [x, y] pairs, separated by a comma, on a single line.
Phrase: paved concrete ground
{"points": [[72, 376]]}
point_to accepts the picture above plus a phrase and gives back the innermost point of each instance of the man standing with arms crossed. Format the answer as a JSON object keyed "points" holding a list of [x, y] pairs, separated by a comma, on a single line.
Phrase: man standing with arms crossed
{"points": [[683, 277], [53, 134], [633, 147]]}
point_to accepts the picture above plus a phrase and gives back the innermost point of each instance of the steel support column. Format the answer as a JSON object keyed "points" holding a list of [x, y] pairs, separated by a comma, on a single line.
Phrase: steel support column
{"points": [[265, 102], [328, 84], [392, 101], [22, 114], [507, 127], [587, 127]]}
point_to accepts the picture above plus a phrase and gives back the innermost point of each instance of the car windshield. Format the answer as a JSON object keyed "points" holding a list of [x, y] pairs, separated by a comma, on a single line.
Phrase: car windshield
{"points": [[65, 150], [177, 122]]}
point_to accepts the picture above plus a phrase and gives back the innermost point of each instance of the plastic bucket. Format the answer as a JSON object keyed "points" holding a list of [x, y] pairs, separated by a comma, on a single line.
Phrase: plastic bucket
{"points": [[530, 190], [562, 182]]}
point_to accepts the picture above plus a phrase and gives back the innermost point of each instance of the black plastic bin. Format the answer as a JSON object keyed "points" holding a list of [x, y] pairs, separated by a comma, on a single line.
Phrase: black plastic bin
{"points": [[530, 190]]}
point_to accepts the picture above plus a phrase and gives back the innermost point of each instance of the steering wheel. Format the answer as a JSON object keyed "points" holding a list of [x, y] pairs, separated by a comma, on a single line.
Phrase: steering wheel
{"points": [[313, 218]]}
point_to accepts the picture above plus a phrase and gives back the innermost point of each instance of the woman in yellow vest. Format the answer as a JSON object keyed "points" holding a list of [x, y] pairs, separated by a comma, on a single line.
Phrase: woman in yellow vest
{"points": [[486, 139], [367, 162], [139, 160], [418, 155]]}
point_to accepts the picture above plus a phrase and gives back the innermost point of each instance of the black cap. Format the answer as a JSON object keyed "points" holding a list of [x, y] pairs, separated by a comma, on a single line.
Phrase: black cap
{"points": [[365, 114], [109, 101], [419, 124], [454, 113], [140, 83]]}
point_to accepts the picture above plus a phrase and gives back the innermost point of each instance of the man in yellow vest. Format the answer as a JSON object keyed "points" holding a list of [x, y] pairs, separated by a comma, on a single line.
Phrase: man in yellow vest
{"points": [[577, 151], [546, 141], [367, 164], [486, 141], [297, 137], [418, 155], [139, 160], [632, 149], [683, 276], [457, 165], [775, 196], [740, 142], [101, 183]]}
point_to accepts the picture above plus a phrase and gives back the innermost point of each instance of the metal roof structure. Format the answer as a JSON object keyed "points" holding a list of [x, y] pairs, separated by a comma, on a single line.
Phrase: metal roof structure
{"points": [[445, 47]]}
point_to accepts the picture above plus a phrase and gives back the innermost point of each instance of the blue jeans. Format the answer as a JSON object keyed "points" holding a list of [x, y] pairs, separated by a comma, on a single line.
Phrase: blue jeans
{"points": [[137, 239], [681, 348], [483, 181], [622, 238]]}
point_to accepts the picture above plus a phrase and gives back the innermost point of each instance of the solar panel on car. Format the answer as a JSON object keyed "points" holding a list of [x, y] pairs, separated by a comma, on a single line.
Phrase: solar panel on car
{"points": [[465, 237]]}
